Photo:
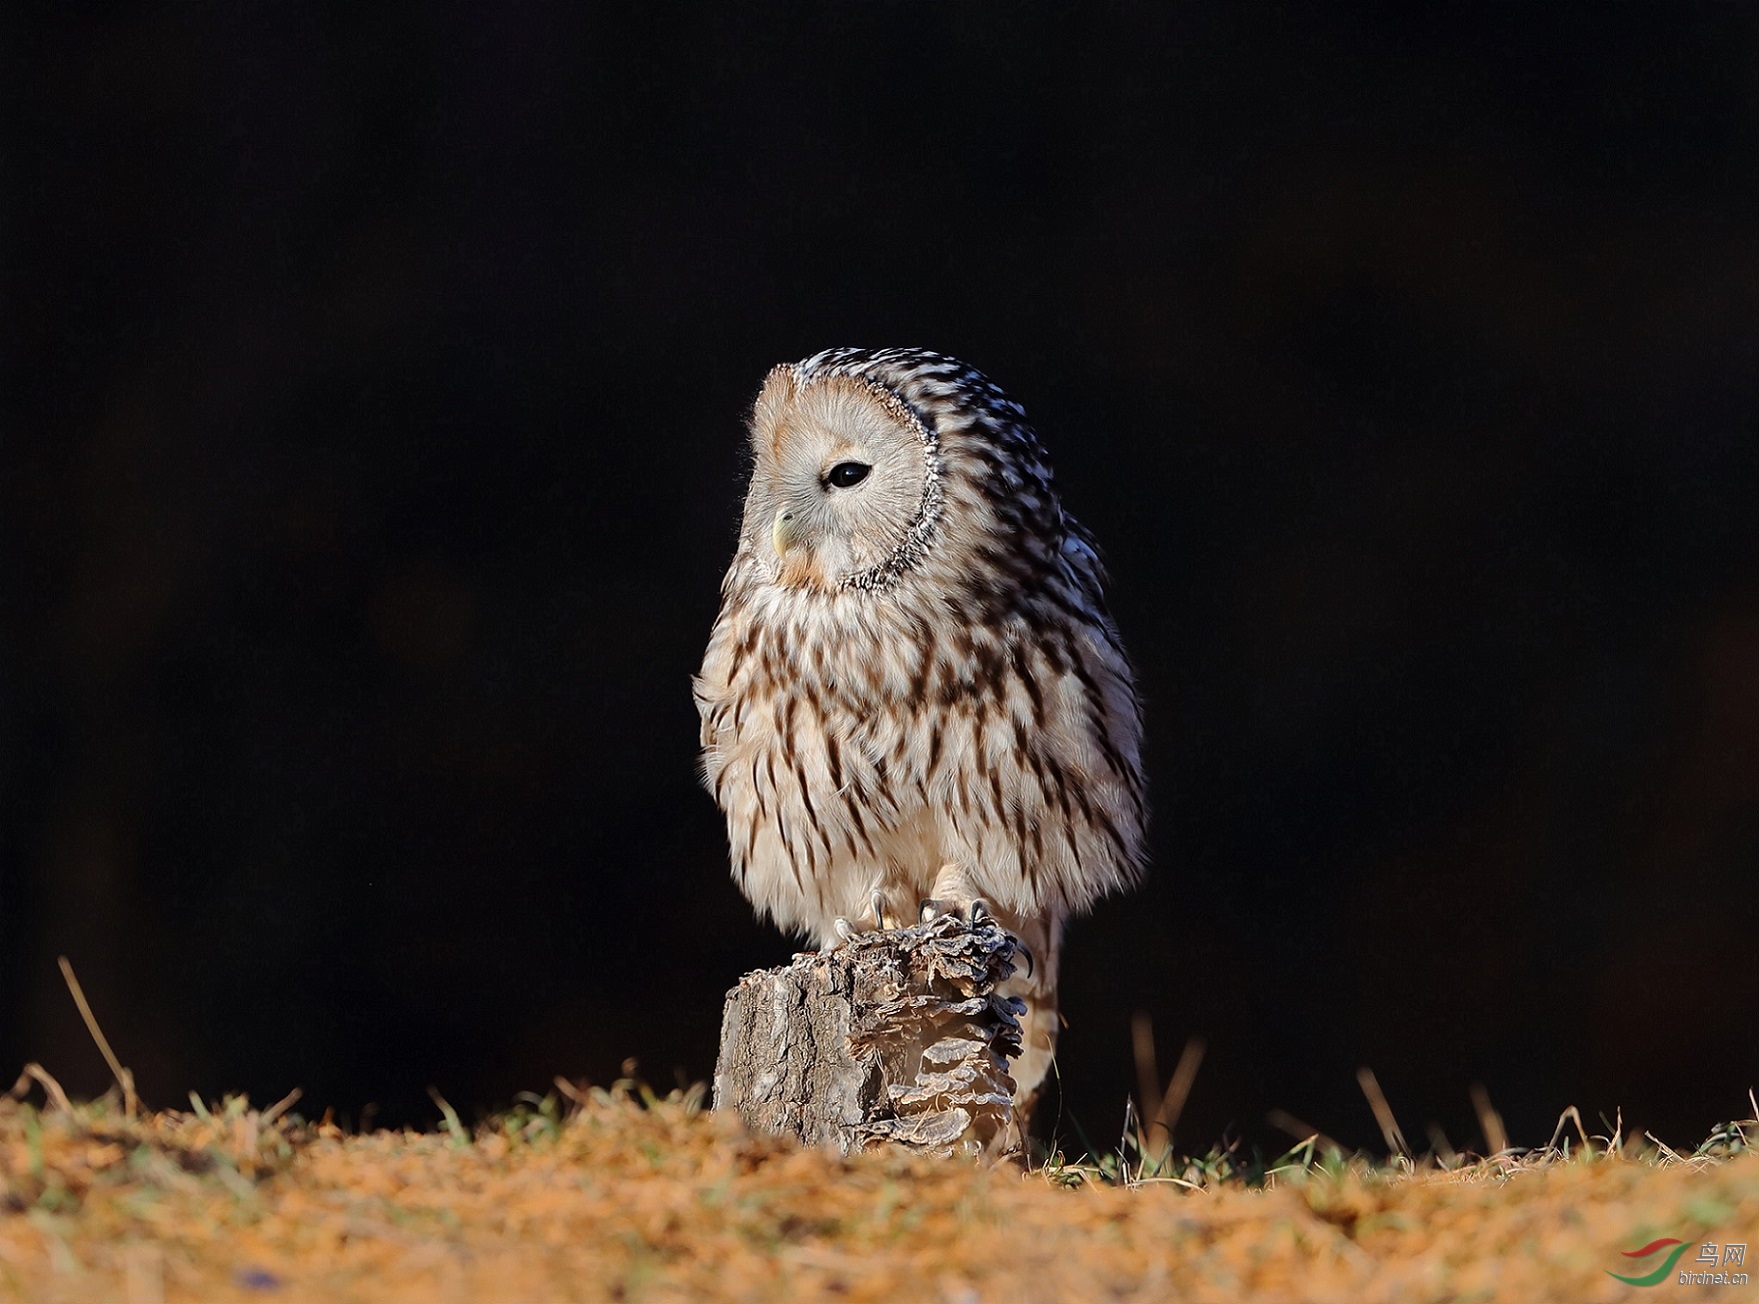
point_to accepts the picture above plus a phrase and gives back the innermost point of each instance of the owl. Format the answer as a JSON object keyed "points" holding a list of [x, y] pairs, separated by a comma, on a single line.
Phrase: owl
{"points": [[913, 699]]}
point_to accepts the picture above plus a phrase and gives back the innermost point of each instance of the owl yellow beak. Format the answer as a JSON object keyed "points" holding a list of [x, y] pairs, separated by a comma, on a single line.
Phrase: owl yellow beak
{"points": [[785, 531]]}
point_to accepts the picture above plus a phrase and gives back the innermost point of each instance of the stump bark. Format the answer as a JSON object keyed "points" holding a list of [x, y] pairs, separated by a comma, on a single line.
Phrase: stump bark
{"points": [[897, 1035]]}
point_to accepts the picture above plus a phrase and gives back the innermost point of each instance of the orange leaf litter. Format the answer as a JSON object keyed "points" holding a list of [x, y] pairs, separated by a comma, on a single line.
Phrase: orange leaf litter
{"points": [[613, 1201]]}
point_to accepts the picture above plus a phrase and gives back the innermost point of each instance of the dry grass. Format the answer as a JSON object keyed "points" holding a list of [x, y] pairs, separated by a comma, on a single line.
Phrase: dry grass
{"points": [[618, 1195], [615, 1195]]}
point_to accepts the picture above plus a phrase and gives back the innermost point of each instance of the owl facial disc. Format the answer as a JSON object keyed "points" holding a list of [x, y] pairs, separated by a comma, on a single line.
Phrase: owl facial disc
{"points": [[846, 479]]}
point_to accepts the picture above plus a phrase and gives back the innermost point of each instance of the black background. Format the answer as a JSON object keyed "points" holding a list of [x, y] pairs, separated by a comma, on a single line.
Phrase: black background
{"points": [[375, 380]]}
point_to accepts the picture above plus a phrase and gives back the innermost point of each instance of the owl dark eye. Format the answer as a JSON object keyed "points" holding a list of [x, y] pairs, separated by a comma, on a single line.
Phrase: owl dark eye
{"points": [[844, 474]]}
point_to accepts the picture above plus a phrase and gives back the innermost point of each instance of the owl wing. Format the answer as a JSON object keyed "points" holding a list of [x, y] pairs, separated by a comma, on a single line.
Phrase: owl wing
{"points": [[705, 708], [1081, 551], [1081, 554], [708, 687]]}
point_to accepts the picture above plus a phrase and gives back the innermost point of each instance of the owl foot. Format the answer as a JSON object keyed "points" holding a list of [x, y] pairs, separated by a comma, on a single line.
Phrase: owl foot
{"points": [[977, 912], [879, 921]]}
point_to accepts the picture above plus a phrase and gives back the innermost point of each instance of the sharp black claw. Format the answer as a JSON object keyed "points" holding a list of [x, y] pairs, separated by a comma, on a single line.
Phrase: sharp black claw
{"points": [[878, 902], [1023, 949], [926, 910], [980, 912]]}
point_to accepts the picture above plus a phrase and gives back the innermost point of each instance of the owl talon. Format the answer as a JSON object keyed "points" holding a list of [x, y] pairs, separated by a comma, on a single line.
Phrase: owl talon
{"points": [[845, 929], [926, 910], [979, 912], [877, 902]]}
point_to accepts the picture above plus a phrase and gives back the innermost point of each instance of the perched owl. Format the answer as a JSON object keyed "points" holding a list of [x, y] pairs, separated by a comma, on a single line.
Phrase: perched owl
{"points": [[913, 698]]}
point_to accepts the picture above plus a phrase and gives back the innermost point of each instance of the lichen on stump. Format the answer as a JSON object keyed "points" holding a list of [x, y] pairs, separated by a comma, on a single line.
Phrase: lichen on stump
{"points": [[897, 1035]]}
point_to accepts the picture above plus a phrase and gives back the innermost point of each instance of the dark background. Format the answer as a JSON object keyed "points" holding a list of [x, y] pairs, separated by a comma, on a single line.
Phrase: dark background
{"points": [[372, 454]]}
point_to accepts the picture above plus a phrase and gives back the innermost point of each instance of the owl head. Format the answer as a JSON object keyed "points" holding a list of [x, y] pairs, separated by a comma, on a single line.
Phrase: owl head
{"points": [[869, 465]]}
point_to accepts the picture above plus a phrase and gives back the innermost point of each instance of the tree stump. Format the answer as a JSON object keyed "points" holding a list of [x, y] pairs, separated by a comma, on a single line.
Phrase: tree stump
{"points": [[897, 1034]]}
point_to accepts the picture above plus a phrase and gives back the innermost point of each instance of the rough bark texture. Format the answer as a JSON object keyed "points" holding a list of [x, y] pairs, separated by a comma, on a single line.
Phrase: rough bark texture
{"points": [[897, 1035]]}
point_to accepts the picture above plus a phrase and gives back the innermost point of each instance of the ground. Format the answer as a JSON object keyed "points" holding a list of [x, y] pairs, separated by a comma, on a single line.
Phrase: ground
{"points": [[615, 1195]]}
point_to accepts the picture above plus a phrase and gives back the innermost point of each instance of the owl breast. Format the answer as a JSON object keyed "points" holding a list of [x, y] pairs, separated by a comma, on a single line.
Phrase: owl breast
{"points": [[857, 745]]}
